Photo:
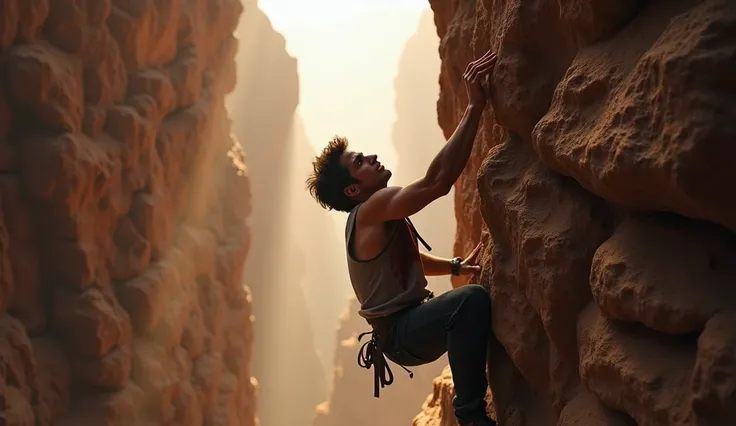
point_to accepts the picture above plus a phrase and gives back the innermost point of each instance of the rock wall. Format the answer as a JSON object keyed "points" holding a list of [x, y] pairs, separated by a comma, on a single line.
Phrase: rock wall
{"points": [[611, 254], [263, 106], [123, 204], [352, 402]]}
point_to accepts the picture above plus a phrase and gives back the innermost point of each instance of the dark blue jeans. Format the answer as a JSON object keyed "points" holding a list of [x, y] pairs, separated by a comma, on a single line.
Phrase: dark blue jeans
{"points": [[459, 322]]}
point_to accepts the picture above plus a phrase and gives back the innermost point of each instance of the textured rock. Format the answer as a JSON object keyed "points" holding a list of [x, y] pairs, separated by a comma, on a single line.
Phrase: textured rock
{"points": [[609, 248], [352, 401], [122, 229]]}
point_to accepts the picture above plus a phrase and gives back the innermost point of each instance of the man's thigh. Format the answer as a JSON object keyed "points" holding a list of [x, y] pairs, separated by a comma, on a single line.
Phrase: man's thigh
{"points": [[420, 336]]}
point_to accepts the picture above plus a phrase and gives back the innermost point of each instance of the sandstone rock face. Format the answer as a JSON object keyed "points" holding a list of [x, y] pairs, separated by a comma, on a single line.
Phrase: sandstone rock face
{"points": [[122, 233], [352, 401], [263, 105], [609, 250]]}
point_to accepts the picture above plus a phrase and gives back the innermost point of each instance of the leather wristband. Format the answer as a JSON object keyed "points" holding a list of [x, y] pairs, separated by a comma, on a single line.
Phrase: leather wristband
{"points": [[455, 265]]}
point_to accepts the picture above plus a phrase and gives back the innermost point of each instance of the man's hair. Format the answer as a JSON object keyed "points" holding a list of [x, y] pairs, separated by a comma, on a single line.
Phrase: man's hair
{"points": [[329, 178]]}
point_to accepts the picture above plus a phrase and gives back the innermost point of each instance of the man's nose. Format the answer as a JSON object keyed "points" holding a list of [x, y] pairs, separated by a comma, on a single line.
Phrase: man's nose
{"points": [[373, 158]]}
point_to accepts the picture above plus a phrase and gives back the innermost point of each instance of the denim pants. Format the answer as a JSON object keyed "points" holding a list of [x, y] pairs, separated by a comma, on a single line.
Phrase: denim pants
{"points": [[459, 322]]}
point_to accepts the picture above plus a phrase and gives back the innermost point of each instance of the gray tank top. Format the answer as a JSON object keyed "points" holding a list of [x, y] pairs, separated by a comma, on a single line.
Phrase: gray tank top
{"points": [[393, 279]]}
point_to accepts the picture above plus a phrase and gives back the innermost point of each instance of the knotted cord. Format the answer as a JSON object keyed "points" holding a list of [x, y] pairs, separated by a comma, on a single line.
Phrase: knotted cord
{"points": [[370, 355]]}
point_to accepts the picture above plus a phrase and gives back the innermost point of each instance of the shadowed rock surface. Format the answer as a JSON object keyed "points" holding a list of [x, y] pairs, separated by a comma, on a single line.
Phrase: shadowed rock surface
{"points": [[285, 359], [124, 200], [596, 182]]}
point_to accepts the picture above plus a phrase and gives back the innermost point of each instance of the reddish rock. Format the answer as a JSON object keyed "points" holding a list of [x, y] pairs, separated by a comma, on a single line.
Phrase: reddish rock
{"points": [[713, 391], [49, 83], [107, 255], [596, 171], [7, 283], [110, 371], [53, 378], [652, 271], [594, 129], [9, 14], [91, 322]]}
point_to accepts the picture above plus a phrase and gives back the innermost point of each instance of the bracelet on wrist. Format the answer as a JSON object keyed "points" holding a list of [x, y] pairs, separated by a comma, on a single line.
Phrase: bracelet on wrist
{"points": [[455, 265]]}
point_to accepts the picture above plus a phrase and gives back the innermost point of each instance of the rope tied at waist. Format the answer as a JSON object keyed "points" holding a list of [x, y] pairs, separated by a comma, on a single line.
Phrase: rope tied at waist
{"points": [[371, 355]]}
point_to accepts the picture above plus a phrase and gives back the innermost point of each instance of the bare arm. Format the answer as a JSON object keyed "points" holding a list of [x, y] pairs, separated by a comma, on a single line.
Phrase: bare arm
{"points": [[434, 266], [397, 202]]}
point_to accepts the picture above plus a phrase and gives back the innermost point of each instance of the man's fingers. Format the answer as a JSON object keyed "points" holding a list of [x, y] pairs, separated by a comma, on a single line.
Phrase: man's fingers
{"points": [[487, 62], [471, 269], [474, 254], [486, 55], [484, 67], [472, 67]]}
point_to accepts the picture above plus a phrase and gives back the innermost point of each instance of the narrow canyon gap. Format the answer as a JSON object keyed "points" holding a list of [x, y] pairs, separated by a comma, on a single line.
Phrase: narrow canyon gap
{"points": [[124, 197], [286, 246], [601, 184]]}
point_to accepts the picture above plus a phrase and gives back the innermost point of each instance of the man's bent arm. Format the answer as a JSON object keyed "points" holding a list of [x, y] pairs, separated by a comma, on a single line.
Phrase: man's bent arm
{"points": [[450, 162], [434, 266], [396, 202]]}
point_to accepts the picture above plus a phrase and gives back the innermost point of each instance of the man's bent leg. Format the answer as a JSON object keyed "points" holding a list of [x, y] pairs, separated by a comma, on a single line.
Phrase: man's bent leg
{"points": [[458, 322]]}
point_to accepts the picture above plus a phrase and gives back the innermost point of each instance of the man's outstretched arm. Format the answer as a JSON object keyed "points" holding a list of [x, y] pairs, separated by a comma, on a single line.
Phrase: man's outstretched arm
{"points": [[398, 202], [434, 265]]}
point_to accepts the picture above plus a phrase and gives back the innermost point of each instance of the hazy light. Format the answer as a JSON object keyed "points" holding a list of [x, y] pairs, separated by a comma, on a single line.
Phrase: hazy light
{"points": [[347, 53]]}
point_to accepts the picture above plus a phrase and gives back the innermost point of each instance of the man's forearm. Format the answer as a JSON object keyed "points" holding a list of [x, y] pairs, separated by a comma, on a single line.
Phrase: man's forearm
{"points": [[434, 266], [449, 163]]}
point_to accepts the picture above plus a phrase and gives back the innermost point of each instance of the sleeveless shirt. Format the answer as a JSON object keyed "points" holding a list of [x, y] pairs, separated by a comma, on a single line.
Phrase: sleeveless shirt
{"points": [[391, 280]]}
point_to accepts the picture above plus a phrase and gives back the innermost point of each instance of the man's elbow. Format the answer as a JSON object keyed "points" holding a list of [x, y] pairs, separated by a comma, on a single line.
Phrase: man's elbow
{"points": [[441, 189]]}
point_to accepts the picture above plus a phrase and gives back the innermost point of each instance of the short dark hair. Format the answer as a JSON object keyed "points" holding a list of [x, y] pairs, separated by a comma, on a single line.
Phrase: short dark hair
{"points": [[329, 177]]}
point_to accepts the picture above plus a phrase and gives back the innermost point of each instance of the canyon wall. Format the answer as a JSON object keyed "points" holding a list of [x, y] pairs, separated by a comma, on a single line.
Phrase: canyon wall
{"points": [[285, 359], [610, 255], [124, 200]]}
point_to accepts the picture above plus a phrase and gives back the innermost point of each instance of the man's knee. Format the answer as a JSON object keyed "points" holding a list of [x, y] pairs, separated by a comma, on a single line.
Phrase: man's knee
{"points": [[476, 298]]}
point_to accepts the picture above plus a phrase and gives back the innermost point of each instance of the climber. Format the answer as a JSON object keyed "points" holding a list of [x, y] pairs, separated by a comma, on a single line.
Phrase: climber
{"points": [[388, 272]]}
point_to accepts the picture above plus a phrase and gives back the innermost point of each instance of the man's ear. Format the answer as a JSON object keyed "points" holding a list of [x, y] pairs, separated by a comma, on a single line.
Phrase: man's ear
{"points": [[352, 190]]}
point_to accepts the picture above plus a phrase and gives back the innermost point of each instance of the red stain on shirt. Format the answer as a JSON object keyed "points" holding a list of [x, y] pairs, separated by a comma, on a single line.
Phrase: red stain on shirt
{"points": [[405, 253]]}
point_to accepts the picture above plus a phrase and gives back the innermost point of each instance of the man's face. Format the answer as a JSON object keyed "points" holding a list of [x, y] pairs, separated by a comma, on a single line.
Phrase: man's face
{"points": [[367, 170]]}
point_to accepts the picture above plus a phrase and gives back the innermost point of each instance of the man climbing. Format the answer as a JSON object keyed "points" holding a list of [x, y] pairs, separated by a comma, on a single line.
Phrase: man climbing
{"points": [[411, 326]]}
